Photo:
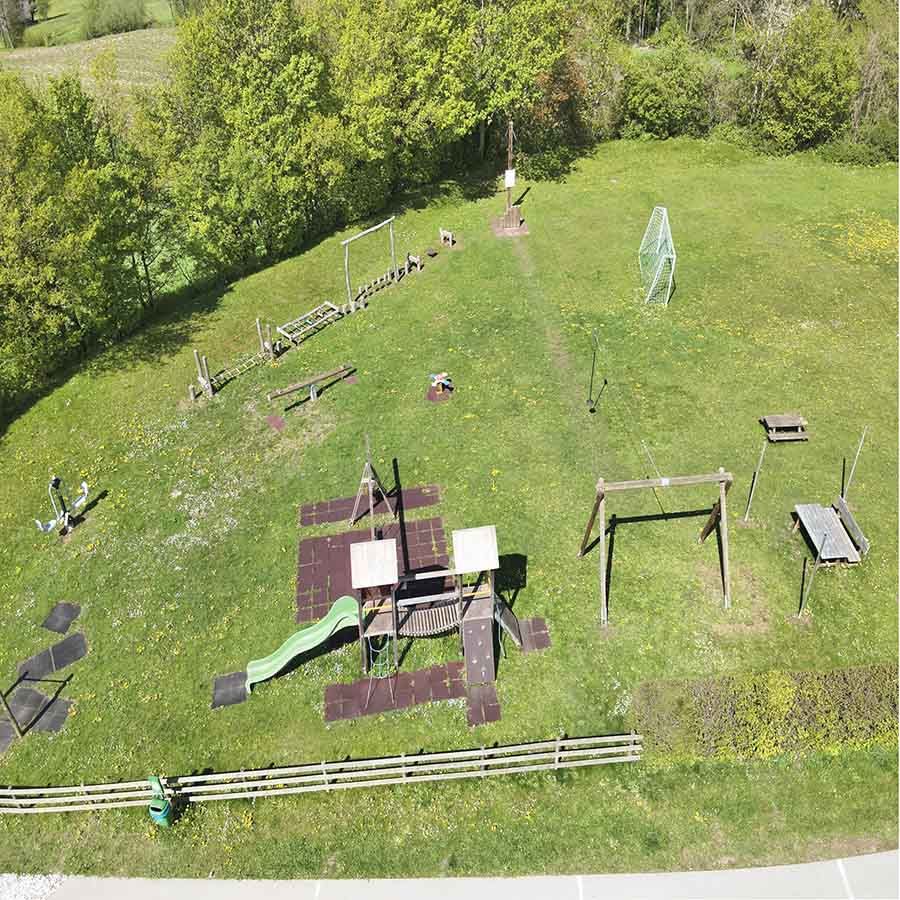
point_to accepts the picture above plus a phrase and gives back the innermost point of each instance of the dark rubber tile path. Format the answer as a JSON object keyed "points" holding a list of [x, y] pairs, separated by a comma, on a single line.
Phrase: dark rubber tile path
{"points": [[54, 716], [370, 697], [57, 657], [229, 689], [7, 734], [534, 635], [339, 509], [61, 617], [484, 706], [323, 563]]}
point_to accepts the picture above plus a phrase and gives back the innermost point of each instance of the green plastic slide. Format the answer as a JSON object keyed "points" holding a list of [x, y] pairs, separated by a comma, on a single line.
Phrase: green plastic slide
{"points": [[343, 613]]}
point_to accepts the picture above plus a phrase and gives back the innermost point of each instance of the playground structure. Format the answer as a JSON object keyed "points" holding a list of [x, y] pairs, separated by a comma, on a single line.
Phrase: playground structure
{"points": [[311, 383], [370, 485], [441, 382], [391, 275], [717, 518], [425, 604], [63, 508], [389, 606], [657, 257]]}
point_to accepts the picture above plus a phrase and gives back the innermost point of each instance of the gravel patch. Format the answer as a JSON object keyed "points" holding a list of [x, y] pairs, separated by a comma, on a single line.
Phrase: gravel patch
{"points": [[28, 887]]}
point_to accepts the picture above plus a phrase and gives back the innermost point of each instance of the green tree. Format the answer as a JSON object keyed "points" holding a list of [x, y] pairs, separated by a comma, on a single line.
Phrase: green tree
{"points": [[665, 93], [805, 93], [237, 128]]}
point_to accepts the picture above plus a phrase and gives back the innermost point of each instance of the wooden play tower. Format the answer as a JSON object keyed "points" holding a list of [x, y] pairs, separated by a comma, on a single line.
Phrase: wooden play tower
{"points": [[430, 603]]}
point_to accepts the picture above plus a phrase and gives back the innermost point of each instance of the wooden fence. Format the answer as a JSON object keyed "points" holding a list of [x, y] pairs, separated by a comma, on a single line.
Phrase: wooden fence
{"points": [[561, 753]]}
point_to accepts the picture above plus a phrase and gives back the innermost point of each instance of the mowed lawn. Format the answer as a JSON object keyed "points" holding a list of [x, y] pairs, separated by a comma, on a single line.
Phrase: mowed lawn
{"points": [[786, 301], [140, 59]]}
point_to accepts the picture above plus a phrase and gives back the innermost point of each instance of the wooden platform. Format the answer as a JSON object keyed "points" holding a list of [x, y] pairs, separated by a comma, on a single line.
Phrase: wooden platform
{"points": [[785, 427], [822, 524]]}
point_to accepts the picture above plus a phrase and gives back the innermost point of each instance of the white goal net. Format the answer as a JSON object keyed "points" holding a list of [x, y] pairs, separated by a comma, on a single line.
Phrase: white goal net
{"points": [[657, 258]]}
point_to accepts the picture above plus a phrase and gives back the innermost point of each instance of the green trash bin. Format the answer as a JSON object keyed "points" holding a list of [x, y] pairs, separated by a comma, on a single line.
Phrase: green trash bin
{"points": [[160, 808]]}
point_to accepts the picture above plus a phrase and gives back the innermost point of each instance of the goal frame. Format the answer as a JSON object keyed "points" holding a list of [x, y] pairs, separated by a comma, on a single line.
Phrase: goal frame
{"points": [[657, 258], [346, 245]]}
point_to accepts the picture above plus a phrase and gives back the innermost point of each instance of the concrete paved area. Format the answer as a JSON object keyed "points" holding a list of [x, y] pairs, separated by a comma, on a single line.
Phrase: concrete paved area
{"points": [[870, 877]]}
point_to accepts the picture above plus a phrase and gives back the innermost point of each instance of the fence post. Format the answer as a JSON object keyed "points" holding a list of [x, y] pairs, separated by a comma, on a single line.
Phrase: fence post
{"points": [[556, 754]]}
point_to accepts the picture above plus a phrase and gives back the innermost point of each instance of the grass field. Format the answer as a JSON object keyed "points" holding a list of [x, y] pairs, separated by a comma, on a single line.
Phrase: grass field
{"points": [[140, 58], [786, 300], [64, 17]]}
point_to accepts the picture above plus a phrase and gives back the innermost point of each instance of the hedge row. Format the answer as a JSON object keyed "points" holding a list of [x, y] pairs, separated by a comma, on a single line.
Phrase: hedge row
{"points": [[762, 715]]}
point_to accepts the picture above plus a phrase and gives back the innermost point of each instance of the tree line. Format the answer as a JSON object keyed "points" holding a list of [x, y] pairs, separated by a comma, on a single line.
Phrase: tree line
{"points": [[284, 119]]}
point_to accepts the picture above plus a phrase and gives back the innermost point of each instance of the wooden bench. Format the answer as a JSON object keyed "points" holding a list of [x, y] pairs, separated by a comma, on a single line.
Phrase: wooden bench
{"points": [[785, 427], [833, 532]]}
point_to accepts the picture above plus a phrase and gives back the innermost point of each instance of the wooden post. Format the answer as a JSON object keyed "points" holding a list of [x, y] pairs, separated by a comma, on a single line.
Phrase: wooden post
{"points": [[12, 718], [192, 394], [590, 524], [371, 494], [209, 385], [269, 341], [723, 518], [262, 343], [755, 478], [199, 367], [601, 509], [347, 269], [393, 254], [855, 460]]}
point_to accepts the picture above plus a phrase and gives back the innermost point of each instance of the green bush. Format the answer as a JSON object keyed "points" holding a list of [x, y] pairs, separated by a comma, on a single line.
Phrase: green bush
{"points": [[809, 86], [846, 151], [38, 37], [762, 715], [112, 17], [882, 137], [665, 94]]}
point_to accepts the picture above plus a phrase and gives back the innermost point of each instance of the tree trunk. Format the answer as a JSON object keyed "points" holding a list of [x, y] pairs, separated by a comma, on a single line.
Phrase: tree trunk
{"points": [[482, 138]]}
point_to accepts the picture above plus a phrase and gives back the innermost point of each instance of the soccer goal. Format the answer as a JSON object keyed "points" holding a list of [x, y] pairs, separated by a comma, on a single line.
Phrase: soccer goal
{"points": [[657, 258]]}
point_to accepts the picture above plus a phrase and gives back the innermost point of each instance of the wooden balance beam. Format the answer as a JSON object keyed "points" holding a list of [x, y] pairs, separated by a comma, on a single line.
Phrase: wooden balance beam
{"points": [[310, 383]]}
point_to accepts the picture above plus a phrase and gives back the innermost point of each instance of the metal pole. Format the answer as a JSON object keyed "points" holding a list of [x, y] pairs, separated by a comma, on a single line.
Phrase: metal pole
{"points": [[393, 255], [509, 163], [812, 575], [755, 477], [347, 270], [855, 460]]}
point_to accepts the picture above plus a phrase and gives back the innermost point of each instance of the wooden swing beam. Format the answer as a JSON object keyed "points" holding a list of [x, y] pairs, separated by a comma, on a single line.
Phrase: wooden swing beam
{"points": [[717, 516]]}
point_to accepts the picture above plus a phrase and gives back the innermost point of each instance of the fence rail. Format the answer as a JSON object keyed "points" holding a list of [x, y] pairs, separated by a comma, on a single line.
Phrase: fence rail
{"points": [[482, 762]]}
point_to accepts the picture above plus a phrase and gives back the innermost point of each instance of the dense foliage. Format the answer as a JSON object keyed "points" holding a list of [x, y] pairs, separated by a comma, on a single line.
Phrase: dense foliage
{"points": [[284, 119], [768, 713]]}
